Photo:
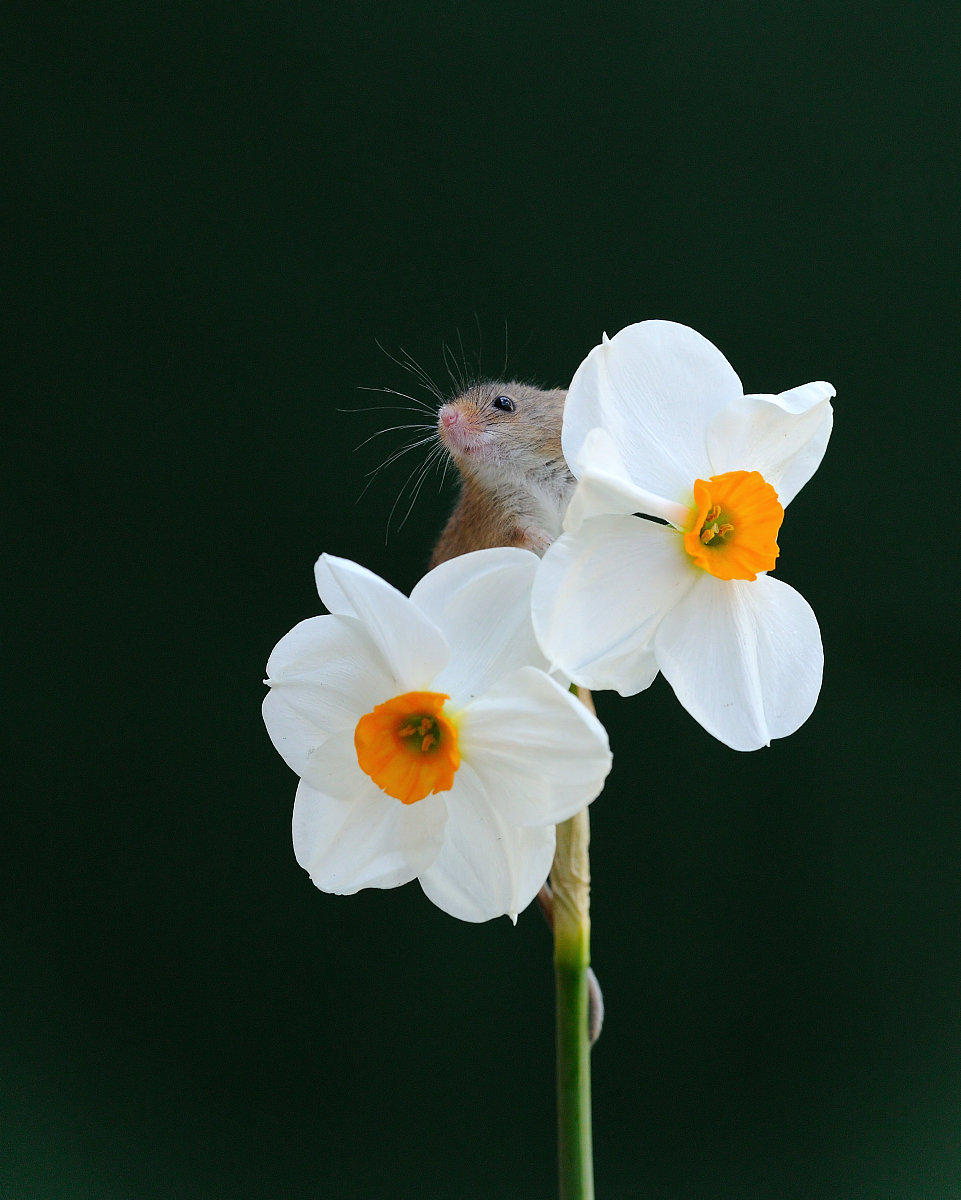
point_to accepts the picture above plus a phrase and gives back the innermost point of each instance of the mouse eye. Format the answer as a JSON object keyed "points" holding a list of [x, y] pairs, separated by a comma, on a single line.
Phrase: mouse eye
{"points": [[504, 403]]}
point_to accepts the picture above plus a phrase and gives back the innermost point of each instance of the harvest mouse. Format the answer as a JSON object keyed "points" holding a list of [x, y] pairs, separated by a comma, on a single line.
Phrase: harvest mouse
{"points": [[505, 440]]}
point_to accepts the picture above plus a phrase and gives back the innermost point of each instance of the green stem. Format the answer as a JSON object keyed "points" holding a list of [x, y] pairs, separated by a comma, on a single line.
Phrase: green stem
{"points": [[570, 881]]}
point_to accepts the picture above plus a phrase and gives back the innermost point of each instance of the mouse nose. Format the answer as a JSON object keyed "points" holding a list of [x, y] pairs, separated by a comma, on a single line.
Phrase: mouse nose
{"points": [[449, 417]]}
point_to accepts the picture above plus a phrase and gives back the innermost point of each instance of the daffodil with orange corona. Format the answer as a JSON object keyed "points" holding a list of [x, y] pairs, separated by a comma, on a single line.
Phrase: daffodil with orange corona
{"points": [[663, 563], [429, 740]]}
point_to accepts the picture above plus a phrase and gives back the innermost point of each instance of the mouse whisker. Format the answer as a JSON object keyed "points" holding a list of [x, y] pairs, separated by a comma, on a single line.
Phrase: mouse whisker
{"points": [[465, 372], [419, 482], [418, 474], [480, 346], [397, 408], [428, 434], [448, 463], [411, 365], [419, 372], [450, 362], [418, 401], [419, 427], [401, 451]]}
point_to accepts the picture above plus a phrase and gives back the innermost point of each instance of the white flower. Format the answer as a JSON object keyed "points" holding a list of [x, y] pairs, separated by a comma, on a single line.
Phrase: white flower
{"points": [[428, 742], [656, 424]]}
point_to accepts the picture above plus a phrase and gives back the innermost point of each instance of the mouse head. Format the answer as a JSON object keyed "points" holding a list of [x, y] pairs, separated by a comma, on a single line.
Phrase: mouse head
{"points": [[493, 428]]}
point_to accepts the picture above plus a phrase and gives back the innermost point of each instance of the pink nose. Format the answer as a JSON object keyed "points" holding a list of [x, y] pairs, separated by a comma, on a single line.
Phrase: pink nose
{"points": [[449, 417]]}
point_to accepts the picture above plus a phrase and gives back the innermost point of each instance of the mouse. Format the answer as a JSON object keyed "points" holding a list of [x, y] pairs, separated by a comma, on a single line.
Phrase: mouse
{"points": [[504, 438], [515, 485]]}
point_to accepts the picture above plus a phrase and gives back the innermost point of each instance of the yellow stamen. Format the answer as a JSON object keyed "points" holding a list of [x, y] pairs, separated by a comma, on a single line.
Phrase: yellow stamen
{"points": [[408, 746], [734, 535]]}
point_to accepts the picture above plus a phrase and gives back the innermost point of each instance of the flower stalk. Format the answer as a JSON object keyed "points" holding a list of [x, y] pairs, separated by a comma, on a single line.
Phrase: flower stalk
{"points": [[571, 882]]}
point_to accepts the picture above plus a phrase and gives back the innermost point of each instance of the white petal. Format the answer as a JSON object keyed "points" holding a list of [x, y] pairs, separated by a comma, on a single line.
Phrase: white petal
{"points": [[745, 659], [414, 649], [481, 602], [539, 752], [803, 398], [599, 594], [534, 850], [324, 675], [784, 437], [486, 867], [308, 645], [604, 487], [349, 835], [293, 733], [654, 387]]}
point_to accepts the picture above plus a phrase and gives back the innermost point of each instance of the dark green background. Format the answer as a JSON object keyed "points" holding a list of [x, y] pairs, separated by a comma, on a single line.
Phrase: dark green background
{"points": [[215, 212]]}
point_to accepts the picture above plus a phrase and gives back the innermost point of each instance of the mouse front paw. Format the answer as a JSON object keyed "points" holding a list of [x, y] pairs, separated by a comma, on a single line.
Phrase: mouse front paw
{"points": [[533, 537]]}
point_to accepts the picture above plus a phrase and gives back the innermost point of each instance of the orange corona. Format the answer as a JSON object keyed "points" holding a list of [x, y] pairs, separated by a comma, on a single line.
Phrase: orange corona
{"points": [[408, 746], [734, 535]]}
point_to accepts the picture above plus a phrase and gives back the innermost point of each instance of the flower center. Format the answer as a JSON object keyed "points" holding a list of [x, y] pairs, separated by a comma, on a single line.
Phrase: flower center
{"points": [[734, 534], [408, 747]]}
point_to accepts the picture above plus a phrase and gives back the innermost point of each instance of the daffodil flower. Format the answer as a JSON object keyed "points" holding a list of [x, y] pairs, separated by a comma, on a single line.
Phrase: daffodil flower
{"points": [[656, 425], [429, 741]]}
